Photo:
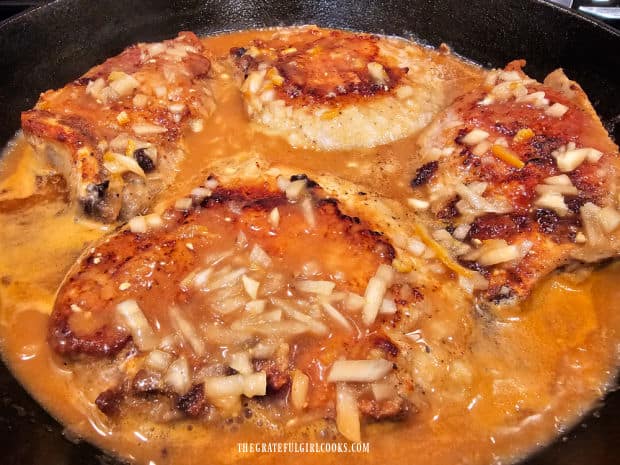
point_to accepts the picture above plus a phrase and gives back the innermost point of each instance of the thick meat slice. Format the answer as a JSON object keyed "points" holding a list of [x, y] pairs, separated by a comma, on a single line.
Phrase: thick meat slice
{"points": [[115, 133], [339, 90], [521, 178], [233, 291]]}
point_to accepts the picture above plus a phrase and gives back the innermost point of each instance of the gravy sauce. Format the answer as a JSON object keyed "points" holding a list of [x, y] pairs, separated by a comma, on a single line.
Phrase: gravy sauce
{"points": [[533, 370]]}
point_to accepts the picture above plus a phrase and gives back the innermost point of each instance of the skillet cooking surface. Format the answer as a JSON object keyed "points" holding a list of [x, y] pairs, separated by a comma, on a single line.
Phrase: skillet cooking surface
{"points": [[51, 45]]}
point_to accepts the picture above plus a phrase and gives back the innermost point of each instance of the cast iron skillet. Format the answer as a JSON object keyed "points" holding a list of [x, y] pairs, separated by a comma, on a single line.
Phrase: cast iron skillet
{"points": [[51, 45]]}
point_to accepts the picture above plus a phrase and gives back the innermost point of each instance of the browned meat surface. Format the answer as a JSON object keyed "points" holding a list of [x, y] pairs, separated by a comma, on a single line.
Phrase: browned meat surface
{"points": [[520, 178], [332, 90], [115, 133], [232, 286]]}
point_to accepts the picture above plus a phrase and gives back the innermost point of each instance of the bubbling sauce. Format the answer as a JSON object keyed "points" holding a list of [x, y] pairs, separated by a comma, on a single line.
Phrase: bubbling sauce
{"points": [[525, 375]]}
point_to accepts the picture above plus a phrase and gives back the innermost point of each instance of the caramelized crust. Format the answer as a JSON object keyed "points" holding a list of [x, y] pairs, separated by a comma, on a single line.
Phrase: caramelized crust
{"points": [[513, 164], [115, 132], [322, 66]]}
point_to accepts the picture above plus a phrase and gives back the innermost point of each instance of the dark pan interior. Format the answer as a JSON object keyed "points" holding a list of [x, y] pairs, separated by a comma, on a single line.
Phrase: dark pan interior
{"points": [[51, 45]]}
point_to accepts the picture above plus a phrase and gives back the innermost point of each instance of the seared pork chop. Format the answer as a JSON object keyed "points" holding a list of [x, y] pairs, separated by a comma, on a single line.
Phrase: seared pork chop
{"points": [[519, 178], [256, 285], [114, 133], [331, 90]]}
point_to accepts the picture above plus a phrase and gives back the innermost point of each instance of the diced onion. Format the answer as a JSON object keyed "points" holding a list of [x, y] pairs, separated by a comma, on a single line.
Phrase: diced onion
{"points": [[250, 285], [158, 360], [251, 385], [552, 201], [183, 204], [300, 384], [142, 129], [388, 307], [359, 371], [178, 376], [475, 136], [117, 163], [418, 204], [255, 306], [557, 110], [274, 217], [141, 332], [240, 362], [336, 316], [373, 298], [259, 256], [295, 189], [315, 287], [137, 225], [347, 414], [315, 326], [382, 390], [187, 330], [354, 301]]}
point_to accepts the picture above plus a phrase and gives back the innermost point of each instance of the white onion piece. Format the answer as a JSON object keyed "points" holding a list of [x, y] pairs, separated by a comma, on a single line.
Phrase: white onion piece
{"points": [[388, 307], [308, 211], [240, 361], [187, 330], [382, 390], [117, 163], [158, 360], [137, 225], [475, 136], [295, 189], [334, 314], [274, 217], [255, 306], [313, 325], [354, 301], [141, 332], [557, 110], [178, 376], [359, 371], [250, 385], [315, 287], [300, 384], [251, 286], [144, 129], [259, 257], [124, 85], [552, 201], [347, 414], [373, 298], [499, 255]]}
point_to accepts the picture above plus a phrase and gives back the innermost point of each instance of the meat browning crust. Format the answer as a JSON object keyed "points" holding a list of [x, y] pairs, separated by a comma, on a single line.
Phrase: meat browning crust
{"points": [[114, 133], [155, 263], [322, 66], [499, 170]]}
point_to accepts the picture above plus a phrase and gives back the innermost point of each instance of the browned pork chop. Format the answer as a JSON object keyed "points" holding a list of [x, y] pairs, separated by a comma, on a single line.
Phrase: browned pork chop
{"points": [[519, 178], [332, 90], [114, 133], [252, 290]]}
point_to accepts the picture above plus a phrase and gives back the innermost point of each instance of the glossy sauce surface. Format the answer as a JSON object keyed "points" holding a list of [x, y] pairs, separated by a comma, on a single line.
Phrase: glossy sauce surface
{"points": [[532, 370]]}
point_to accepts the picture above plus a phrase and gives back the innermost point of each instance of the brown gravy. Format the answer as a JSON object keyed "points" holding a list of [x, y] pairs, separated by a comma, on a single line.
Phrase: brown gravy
{"points": [[535, 370]]}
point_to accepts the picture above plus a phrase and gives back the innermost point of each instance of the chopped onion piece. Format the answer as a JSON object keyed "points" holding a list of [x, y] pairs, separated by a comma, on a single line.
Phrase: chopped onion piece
{"points": [[187, 330], [474, 137], [557, 110], [300, 384], [153, 220], [274, 217], [388, 306], [201, 278], [255, 306], [200, 193], [259, 257], [295, 189], [178, 376], [142, 129], [250, 385], [117, 163], [196, 124], [141, 332], [386, 273], [418, 204], [183, 204], [347, 414], [158, 360], [336, 316], [137, 225], [415, 246], [552, 201], [240, 362], [354, 301], [315, 287], [251, 286], [315, 326], [359, 371], [308, 211], [123, 84], [373, 298], [499, 255]]}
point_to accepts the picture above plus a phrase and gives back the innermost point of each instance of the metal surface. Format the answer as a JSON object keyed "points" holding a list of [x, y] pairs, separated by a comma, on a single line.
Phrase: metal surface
{"points": [[50, 45]]}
